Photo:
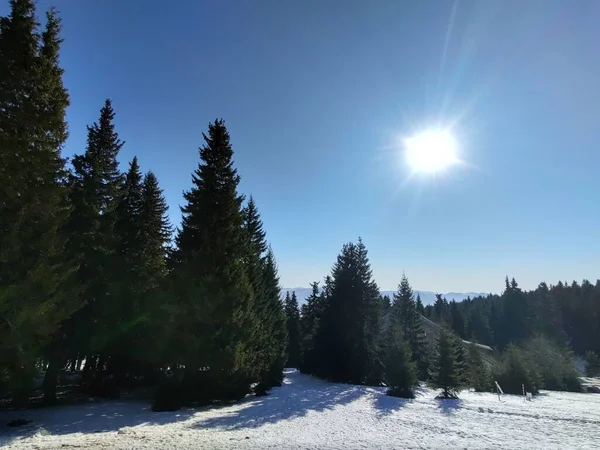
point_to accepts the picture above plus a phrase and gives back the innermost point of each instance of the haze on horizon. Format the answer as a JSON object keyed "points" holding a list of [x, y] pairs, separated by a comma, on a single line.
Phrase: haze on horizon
{"points": [[318, 97]]}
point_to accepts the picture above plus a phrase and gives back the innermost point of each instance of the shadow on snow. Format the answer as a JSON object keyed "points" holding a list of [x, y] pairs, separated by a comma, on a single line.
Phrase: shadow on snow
{"points": [[299, 395], [97, 417]]}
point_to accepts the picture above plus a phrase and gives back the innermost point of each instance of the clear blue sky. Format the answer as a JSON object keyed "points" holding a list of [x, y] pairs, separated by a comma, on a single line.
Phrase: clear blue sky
{"points": [[314, 94]]}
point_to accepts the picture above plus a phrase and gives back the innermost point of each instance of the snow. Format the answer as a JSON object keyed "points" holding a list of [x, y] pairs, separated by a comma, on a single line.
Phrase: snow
{"points": [[307, 413]]}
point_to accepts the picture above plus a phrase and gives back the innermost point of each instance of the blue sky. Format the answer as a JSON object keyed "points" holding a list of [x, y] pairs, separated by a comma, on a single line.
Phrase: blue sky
{"points": [[315, 95]]}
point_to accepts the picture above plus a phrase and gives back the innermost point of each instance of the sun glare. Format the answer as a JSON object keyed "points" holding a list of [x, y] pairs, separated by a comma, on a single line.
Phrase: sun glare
{"points": [[431, 151]]}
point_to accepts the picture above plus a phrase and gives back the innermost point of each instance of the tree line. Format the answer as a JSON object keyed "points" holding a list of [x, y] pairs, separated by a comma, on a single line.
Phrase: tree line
{"points": [[568, 314], [92, 275], [347, 332]]}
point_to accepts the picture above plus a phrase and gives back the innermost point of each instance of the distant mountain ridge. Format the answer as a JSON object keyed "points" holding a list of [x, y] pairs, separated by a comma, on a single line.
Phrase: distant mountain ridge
{"points": [[427, 297]]}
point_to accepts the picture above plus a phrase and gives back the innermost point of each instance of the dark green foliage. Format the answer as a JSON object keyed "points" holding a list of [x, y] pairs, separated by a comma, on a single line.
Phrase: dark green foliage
{"points": [[419, 305], [311, 316], [457, 321], [274, 325], [592, 364], [215, 324], [347, 340], [96, 190], [36, 286], [404, 315], [292, 313], [441, 310], [479, 374], [513, 371], [400, 369], [446, 371], [555, 365]]}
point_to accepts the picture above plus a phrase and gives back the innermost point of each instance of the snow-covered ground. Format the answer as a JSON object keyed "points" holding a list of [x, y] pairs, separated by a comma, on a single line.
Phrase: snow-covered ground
{"points": [[307, 413]]}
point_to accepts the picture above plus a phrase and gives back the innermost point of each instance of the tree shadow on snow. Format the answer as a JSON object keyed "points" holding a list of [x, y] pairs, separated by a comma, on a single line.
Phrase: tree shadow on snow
{"points": [[449, 406], [97, 417], [386, 405], [298, 395]]}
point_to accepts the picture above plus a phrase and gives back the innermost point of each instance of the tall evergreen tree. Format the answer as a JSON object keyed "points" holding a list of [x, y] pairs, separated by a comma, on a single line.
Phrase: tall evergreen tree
{"points": [[419, 305], [156, 231], [127, 283], [277, 329], [216, 320], [311, 315], [36, 289], [348, 338], [407, 318], [96, 188], [446, 373], [400, 369], [292, 313]]}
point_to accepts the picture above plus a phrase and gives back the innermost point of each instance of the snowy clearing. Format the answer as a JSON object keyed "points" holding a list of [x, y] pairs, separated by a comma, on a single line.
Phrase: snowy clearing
{"points": [[307, 413]]}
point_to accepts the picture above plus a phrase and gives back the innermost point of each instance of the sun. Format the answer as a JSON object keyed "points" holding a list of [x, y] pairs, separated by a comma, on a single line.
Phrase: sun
{"points": [[431, 151]]}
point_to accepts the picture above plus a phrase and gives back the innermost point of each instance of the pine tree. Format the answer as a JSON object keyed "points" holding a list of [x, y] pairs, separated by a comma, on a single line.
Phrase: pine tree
{"points": [[215, 319], [277, 331], [292, 313], [405, 315], [311, 315], [36, 288], [400, 370], [96, 188], [478, 375], [446, 374], [348, 338], [419, 305], [127, 283], [156, 231], [457, 321]]}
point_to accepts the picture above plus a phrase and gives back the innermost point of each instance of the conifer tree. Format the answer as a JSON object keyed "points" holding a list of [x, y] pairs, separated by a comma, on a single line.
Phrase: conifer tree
{"points": [[277, 328], [419, 305], [400, 369], [155, 232], [292, 313], [347, 340], [478, 376], [311, 315], [446, 374], [96, 188], [36, 287], [407, 318], [215, 321], [127, 283]]}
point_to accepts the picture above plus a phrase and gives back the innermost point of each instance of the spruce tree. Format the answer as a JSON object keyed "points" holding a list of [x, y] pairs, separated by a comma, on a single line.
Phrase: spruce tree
{"points": [[348, 337], [277, 330], [478, 376], [36, 288], [215, 306], [400, 369], [310, 318], [405, 315], [96, 188], [128, 285], [292, 313], [156, 231], [419, 305], [446, 374]]}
